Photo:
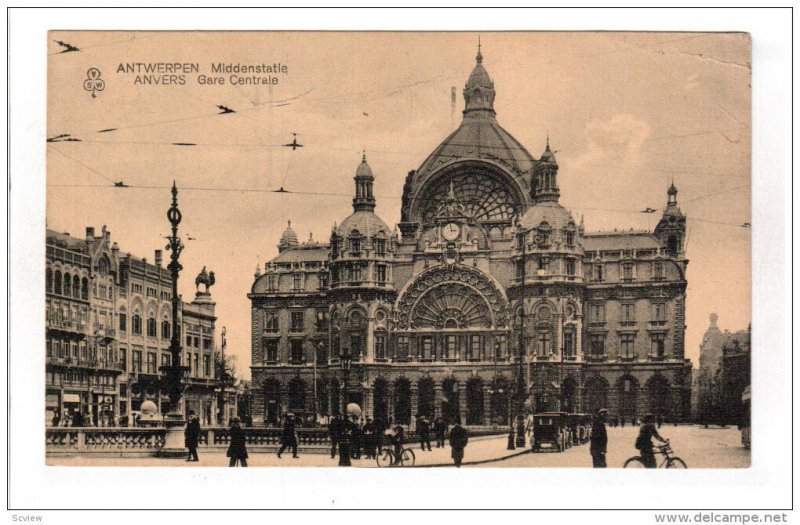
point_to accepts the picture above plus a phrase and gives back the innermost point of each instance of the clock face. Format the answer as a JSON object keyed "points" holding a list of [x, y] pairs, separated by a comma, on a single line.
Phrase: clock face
{"points": [[451, 231]]}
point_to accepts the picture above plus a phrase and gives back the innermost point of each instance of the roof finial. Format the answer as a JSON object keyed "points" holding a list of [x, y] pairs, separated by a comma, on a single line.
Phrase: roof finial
{"points": [[364, 155], [547, 144], [479, 58], [290, 223]]}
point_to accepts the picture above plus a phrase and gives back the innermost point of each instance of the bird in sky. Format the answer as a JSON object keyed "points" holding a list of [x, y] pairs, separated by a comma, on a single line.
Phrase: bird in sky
{"points": [[120, 184], [293, 144], [67, 47], [746, 225], [648, 210], [225, 109]]}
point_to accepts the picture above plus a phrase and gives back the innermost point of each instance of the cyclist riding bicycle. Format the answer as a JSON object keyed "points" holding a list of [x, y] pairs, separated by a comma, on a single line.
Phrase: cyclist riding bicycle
{"points": [[644, 442], [398, 437]]}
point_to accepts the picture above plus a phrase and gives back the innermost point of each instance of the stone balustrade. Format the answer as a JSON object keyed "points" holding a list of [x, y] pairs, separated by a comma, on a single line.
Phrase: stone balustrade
{"points": [[145, 442]]}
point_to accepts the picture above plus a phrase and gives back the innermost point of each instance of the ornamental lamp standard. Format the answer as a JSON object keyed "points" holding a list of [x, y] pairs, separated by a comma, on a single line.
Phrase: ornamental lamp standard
{"points": [[345, 362], [520, 387], [174, 372]]}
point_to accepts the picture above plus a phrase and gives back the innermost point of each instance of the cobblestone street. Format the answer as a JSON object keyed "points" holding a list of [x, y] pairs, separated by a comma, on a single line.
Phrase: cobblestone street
{"points": [[700, 448]]}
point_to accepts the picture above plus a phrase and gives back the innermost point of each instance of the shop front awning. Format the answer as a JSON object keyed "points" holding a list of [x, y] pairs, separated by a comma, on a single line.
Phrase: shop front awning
{"points": [[72, 398]]}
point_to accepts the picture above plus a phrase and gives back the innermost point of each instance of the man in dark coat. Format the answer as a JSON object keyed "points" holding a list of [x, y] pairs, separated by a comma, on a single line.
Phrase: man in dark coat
{"points": [[368, 434], [289, 436], [424, 429], [440, 428], [458, 442], [237, 449], [335, 429], [599, 441], [191, 435]]}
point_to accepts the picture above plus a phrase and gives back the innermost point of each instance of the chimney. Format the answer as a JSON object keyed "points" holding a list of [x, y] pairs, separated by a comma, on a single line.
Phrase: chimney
{"points": [[158, 258], [89, 233]]}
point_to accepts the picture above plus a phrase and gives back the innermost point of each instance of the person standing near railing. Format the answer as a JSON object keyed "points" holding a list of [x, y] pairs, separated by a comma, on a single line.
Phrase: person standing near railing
{"points": [[237, 449], [192, 435], [289, 436]]}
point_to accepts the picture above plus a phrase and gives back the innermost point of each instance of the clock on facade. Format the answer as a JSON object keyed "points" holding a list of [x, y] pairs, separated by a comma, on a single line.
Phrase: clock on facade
{"points": [[451, 231]]}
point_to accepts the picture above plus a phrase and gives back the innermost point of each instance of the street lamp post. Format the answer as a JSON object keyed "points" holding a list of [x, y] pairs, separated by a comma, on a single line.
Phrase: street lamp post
{"points": [[345, 360], [520, 390], [174, 372]]}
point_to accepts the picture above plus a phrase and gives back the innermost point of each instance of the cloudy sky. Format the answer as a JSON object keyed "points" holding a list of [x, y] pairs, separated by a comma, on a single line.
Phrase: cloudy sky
{"points": [[626, 112]]}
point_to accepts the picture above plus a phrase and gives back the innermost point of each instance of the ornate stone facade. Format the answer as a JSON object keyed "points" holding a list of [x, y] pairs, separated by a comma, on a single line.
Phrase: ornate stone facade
{"points": [[486, 266], [108, 333]]}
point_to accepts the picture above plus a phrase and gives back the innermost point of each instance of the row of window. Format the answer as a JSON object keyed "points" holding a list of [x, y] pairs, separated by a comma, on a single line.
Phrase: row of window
{"points": [[151, 365], [627, 344], [627, 313], [81, 351], [296, 321], [77, 378], [66, 284], [354, 273], [354, 245], [298, 283], [598, 270]]}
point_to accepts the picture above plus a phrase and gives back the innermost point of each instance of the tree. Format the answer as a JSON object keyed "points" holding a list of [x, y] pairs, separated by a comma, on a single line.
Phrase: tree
{"points": [[225, 374]]}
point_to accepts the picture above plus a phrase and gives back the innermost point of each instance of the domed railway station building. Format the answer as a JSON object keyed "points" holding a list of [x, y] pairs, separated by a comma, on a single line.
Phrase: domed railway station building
{"points": [[484, 266]]}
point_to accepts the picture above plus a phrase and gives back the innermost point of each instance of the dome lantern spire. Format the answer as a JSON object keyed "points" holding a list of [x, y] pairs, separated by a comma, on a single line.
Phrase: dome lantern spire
{"points": [[364, 200], [479, 91]]}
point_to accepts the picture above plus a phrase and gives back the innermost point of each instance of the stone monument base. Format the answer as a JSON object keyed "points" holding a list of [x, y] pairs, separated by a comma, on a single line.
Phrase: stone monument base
{"points": [[174, 445]]}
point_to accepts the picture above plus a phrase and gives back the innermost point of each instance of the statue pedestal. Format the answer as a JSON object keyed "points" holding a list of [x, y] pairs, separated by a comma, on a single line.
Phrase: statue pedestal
{"points": [[174, 445]]}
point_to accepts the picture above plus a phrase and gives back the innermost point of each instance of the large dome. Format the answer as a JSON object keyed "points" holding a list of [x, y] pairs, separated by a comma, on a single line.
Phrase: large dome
{"points": [[480, 152], [479, 137], [555, 215], [366, 222]]}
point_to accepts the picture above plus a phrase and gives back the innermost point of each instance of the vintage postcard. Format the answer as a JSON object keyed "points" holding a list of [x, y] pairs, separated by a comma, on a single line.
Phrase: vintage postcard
{"points": [[398, 249]]}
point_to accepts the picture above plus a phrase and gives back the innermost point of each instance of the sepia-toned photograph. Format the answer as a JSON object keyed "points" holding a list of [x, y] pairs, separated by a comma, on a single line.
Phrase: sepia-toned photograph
{"points": [[398, 250]]}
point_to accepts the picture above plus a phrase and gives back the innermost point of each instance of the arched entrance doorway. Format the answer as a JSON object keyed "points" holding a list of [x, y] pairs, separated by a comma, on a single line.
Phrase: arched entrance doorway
{"points": [[272, 400], [426, 405], [475, 401], [380, 400], [658, 391], [595, 394], [568, 395], [450, 401], [628, 392], [297, 396], [500, 401], [402, 401]]}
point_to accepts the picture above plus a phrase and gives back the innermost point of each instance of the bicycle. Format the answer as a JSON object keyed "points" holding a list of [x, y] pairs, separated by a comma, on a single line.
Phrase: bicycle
{"points": [[665, 450], [387, 458]]}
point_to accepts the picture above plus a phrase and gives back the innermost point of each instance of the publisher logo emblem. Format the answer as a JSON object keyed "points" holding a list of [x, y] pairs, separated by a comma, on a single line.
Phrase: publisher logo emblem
{"points": [[93, 81]]}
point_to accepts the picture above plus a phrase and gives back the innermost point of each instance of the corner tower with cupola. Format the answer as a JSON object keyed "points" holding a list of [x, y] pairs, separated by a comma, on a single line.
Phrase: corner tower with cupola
{"points": [[362, 284]]}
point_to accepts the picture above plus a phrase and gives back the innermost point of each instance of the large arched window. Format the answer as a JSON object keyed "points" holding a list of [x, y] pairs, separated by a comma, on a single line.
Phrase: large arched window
{"points": [[57, 283], [49, 280], [67, 284], [485, 198], [151, 325], [85, 289], [76, 287], [137, 324], [165, 329]]}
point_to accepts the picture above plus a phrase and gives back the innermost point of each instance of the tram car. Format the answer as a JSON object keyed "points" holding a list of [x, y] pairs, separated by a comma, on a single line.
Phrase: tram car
{"points": [[550, 431]]}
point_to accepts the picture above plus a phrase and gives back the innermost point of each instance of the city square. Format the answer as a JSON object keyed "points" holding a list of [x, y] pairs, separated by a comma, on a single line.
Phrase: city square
{"points": [[486, 303]]}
